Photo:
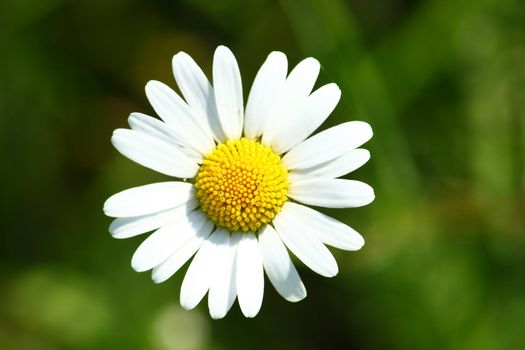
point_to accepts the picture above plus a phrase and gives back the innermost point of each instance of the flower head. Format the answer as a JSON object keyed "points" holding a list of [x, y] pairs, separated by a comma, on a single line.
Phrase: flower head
{"points": [[244, 178]]}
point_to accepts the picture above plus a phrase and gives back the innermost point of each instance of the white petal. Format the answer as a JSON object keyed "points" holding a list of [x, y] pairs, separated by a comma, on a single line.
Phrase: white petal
{"points": [[151, 126], [198, 92], [327, 229], [308, 248], [149, 199], [332, 193], [332, 168], [132, 226], [250, 276], [327, 145], [307, 119], [198, 278], [154, 153], [279, 267], [166, 240], [155, 128], [176, 113], [292, 97], [228, 92], [266, 87], [171, 265], [223, 287]]}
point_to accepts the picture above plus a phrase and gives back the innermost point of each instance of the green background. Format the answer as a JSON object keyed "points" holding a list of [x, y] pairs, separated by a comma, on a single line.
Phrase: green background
{"points": [[441, 82]]}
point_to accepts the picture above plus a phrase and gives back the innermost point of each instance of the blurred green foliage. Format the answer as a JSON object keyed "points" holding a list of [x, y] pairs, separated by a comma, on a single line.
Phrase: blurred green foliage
{"points": [[441, 82]]}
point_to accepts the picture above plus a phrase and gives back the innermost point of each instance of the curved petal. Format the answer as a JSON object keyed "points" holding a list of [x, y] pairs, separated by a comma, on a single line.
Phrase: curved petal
{"points": [[166, 240], [154, 153], [152, 127], [223, 287], [291, 98], [175, 112], [327, 229], [308, 118], [309, 249], [149, 199], [332, 168], [198, 278], [250, 276], [228, 92], [267, 84], [279, 267], [327, 145], [158, 129], [198, 92], [171, 265], [136, 225], [332, 193]]}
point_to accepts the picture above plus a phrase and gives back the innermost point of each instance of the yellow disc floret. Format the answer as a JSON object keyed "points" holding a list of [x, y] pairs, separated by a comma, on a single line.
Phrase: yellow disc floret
{"points": [[242, 185]]}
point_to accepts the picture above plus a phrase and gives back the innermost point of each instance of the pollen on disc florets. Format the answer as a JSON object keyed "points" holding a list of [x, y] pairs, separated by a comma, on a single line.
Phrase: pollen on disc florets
{"points": [[242, 185]]}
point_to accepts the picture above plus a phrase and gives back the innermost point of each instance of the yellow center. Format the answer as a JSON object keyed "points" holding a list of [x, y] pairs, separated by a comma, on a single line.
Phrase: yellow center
{"points": [[241, 185]]}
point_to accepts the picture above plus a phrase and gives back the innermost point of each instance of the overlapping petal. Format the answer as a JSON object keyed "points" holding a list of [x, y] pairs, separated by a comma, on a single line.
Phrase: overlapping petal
{"points": [[154, 153], [183, 121], [307, 118], [155, 128], [198, 93], [333, 142], [291, 97], [170, 266], [223, 288], [308, 248], [327, 229], [279, 267], [333, 168], [264, 92], [125, 227], [199, 276], [166, 240]]}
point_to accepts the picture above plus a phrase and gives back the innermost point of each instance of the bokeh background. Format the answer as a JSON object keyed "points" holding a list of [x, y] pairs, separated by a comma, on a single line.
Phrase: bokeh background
{"points": [[441, 82]]}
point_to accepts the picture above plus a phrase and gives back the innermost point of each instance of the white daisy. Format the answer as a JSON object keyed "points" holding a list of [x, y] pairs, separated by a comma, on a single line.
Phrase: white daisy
{"points": [[244, 178]]}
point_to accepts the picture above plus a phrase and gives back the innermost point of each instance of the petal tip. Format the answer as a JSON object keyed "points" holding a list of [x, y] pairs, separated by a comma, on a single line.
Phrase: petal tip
{"points": [[276, 55], [107, 207], [137, 266], [366, 129], [158, 279], [331, 274], [221, 49], [311, 60], [180, 55], [217, 315], [334, 270], [371, 197], [300, 295], [186, 305], [333, 86], [149, 84], [250, 313]]}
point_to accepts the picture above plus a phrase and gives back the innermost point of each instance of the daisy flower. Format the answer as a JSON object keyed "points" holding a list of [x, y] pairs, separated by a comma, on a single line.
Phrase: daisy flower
{"points": [[243, 181]]}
